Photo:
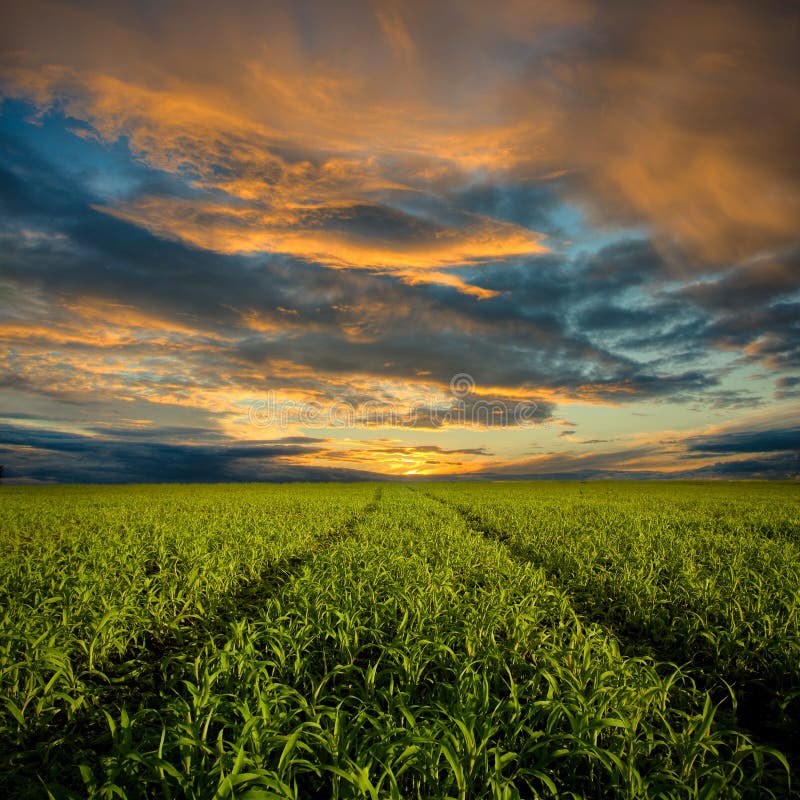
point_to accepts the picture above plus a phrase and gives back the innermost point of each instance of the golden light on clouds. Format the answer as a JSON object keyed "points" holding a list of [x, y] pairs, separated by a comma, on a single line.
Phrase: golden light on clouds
{"points": [[589, 208]]}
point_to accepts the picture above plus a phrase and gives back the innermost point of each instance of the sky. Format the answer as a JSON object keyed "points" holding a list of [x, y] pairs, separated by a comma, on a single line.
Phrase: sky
{"points": [[394, 238]]}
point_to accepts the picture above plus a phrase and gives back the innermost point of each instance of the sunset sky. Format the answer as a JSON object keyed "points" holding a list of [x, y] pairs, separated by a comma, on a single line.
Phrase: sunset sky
{"points": [[323, 240]]}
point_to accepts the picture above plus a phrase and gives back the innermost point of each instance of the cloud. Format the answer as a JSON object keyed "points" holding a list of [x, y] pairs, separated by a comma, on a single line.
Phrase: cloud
{"points": [[768, 441], [768, 334], [761, 281], [682, 116], [133, 314], [351, 234], [40, 455], [574, 203], [781, 466], [773, 454], [141, 452], [330, 201], [118, 455], [302, 114], [752, 307], [787, 387]]}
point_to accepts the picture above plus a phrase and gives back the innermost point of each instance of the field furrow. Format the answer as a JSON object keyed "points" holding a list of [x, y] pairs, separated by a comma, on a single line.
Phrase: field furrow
{"points": [[713, 586], [98, 618]]}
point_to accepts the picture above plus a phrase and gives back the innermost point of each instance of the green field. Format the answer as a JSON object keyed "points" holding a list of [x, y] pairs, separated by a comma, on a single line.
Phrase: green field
{"points": [[513, 640]]}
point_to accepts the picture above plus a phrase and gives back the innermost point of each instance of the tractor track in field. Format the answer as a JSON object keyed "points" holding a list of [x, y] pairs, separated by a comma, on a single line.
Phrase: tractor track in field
{"points": [[250, 595], [478, 525], [755, 703], [134, 679], [348, 529]]}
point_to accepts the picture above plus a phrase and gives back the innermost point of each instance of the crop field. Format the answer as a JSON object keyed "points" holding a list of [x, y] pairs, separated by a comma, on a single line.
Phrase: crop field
{"points": [[509, 640]]}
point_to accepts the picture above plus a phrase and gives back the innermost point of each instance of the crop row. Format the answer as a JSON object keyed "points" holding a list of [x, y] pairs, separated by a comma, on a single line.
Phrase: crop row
{"points": [[703, 576], [93, 580]]}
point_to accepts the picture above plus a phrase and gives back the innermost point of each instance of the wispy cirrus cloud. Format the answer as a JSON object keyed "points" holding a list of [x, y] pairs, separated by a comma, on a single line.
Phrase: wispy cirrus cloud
{"points": [[254, 192], [649, 109]]}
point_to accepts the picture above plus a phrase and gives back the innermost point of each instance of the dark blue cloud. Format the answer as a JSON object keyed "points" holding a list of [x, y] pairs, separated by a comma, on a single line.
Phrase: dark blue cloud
{"points": [[39, 455], [35, 454], [532, 205], [769, 441], [787, 387]]}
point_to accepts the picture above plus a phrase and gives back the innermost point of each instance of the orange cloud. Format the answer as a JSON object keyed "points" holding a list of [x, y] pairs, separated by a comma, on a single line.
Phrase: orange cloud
{"points": [[684, 116], [303, 233], [301, 207], [679, 116]]}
